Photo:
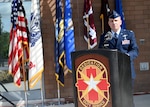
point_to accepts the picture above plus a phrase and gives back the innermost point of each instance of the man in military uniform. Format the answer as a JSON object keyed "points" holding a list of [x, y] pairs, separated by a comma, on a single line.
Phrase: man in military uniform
{"points": [[121, 39]]}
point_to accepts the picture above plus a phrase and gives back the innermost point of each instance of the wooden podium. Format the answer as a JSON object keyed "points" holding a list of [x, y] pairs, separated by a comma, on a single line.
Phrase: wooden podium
{"points": [[102, 78]]}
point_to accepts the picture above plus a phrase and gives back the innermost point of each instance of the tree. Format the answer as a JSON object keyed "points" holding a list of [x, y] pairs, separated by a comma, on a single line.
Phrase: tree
{"points": [[0, 25], [4, 42], [4, 45]]}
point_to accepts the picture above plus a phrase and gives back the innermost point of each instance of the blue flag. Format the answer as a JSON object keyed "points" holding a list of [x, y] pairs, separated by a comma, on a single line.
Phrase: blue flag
{"points": [[119, 10], [59, 44], [69, 34]]}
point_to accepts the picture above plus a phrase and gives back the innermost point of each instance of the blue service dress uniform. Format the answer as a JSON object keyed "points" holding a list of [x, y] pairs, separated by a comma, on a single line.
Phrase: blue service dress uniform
{"points": [[125, 43]]}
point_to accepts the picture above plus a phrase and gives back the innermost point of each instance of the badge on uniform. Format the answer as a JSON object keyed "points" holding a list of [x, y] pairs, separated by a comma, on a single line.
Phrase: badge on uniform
{"points": [[125, 37], [125, 42]]}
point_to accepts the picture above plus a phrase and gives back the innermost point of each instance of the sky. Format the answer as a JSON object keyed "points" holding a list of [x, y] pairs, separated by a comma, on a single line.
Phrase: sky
{"points": [[5, 11]]}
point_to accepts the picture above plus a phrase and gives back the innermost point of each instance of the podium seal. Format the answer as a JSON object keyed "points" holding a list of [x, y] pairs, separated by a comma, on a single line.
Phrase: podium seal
{"points": [[92, 83]]}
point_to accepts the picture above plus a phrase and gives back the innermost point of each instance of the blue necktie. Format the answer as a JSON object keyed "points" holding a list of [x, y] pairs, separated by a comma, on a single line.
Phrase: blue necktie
{"points": [[115, 35], [116, 38]]}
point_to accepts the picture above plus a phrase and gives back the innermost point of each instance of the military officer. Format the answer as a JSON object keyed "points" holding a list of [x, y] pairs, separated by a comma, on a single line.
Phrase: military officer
{"points": [[121, 39]]}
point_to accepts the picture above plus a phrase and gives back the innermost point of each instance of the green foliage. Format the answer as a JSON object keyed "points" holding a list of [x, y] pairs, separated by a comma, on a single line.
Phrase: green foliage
{"points": [[4, 42], [4, 45], [1, 28], [5, 77]]}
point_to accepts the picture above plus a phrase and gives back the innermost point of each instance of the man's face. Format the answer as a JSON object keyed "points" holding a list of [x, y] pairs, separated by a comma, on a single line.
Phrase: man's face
{"points": [[115, 23]]}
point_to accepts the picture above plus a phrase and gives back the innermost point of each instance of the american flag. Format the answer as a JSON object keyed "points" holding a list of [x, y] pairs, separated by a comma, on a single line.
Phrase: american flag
{"points": [[89, 27], [18, 41]]}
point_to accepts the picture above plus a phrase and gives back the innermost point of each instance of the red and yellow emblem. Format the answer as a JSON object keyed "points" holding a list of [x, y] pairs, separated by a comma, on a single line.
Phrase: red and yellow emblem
{"points": [[92, 83]]}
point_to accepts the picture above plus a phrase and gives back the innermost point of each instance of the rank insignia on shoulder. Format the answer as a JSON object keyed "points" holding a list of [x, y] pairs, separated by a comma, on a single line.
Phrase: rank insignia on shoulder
{"points": [[131, 31]]}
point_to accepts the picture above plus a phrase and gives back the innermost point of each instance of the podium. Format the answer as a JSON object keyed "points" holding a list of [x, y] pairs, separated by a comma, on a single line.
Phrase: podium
{"points": [[101, 78]]}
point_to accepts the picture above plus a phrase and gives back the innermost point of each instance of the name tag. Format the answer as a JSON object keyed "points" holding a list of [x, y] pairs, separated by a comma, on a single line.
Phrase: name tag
{"points": [[125, 42]]}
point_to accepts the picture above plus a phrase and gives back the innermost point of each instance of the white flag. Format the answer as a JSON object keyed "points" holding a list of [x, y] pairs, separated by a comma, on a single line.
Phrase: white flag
{"points": [[35, 44]]}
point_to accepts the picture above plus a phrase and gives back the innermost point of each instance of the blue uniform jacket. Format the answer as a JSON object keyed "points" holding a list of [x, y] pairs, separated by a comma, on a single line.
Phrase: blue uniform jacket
{"points": [[126, 43]]}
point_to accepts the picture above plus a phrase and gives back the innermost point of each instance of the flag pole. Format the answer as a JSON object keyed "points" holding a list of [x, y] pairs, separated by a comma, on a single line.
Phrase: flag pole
{"points": [[58, 92], [42, 92], [102, 20], [24, 79], [88, 29]]}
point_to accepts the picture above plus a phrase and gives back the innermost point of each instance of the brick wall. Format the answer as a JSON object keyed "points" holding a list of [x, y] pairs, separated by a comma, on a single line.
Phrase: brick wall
{"points": [[137, 19]]}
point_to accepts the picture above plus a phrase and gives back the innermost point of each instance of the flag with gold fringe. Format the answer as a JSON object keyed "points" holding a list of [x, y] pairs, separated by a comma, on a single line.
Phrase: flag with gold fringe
{"points": [[36, 66], [59, 44], [68, 34]]}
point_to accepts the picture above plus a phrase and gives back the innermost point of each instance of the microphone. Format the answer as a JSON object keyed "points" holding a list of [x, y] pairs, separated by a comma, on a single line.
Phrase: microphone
{"points": [[107, 38]]}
